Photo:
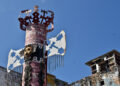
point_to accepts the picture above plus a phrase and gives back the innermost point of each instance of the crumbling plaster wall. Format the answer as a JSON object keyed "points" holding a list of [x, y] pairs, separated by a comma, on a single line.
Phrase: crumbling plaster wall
{"points": [[107, 79], [11, 79]]}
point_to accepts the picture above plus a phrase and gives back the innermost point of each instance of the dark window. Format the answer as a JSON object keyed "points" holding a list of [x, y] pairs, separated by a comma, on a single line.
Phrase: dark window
{"points": [[102, 83], [90, 83], [94, 69], [117, 59], [93, 72], [104, 67]]}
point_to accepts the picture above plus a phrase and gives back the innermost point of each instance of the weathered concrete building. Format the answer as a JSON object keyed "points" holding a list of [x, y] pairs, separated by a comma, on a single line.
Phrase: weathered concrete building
{"points": [[11, 79], [105, 71]]}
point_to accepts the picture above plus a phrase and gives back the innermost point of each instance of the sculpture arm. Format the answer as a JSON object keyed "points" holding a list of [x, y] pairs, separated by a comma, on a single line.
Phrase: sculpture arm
{"points": [[52, 28]]}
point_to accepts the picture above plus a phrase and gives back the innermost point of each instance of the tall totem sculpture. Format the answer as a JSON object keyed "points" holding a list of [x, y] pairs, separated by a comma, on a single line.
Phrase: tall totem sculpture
{"points": [[35, 55]]}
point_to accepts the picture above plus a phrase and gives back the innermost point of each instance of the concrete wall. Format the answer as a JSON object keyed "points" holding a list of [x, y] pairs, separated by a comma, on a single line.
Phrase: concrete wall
{"points": [[106, 79], [11, 79], [14, 79]]}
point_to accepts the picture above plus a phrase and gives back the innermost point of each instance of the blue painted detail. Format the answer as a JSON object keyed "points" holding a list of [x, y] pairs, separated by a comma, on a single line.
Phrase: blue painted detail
{"points": [[59, 37], [12, 54], [15, 61], [48, 52], [17, 57], [61, 50], [22, 61], [11, 66], [53, 45], [48, 42]]}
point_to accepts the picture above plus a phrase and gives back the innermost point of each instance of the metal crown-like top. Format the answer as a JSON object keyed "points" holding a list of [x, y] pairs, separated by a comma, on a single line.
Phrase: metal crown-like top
{"points": [[45, 18]]}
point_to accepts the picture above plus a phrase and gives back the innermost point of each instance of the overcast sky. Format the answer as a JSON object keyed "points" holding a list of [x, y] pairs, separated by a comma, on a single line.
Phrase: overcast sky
{"points": [[92, 28]]}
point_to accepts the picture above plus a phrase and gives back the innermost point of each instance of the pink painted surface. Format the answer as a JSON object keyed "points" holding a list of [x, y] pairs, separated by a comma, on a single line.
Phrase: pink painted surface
{"points": [[45, 80], [35, 84], [35, 34], [35, 72], [23, 81]]}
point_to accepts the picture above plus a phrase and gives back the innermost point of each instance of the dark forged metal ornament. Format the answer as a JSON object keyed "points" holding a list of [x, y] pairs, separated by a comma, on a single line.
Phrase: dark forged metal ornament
{"points": [[35, 66]]}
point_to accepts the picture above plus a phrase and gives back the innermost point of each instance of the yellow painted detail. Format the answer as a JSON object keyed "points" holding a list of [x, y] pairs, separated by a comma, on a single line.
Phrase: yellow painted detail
{"points": [[51, 80]]}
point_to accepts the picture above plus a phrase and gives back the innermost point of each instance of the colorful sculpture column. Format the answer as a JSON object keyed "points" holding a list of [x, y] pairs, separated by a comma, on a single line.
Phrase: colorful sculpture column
{"points": [[35, 54]]}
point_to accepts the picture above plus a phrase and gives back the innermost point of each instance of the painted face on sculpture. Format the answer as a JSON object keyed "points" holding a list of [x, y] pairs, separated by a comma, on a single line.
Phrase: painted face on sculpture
{"points": [[28, 50]]}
